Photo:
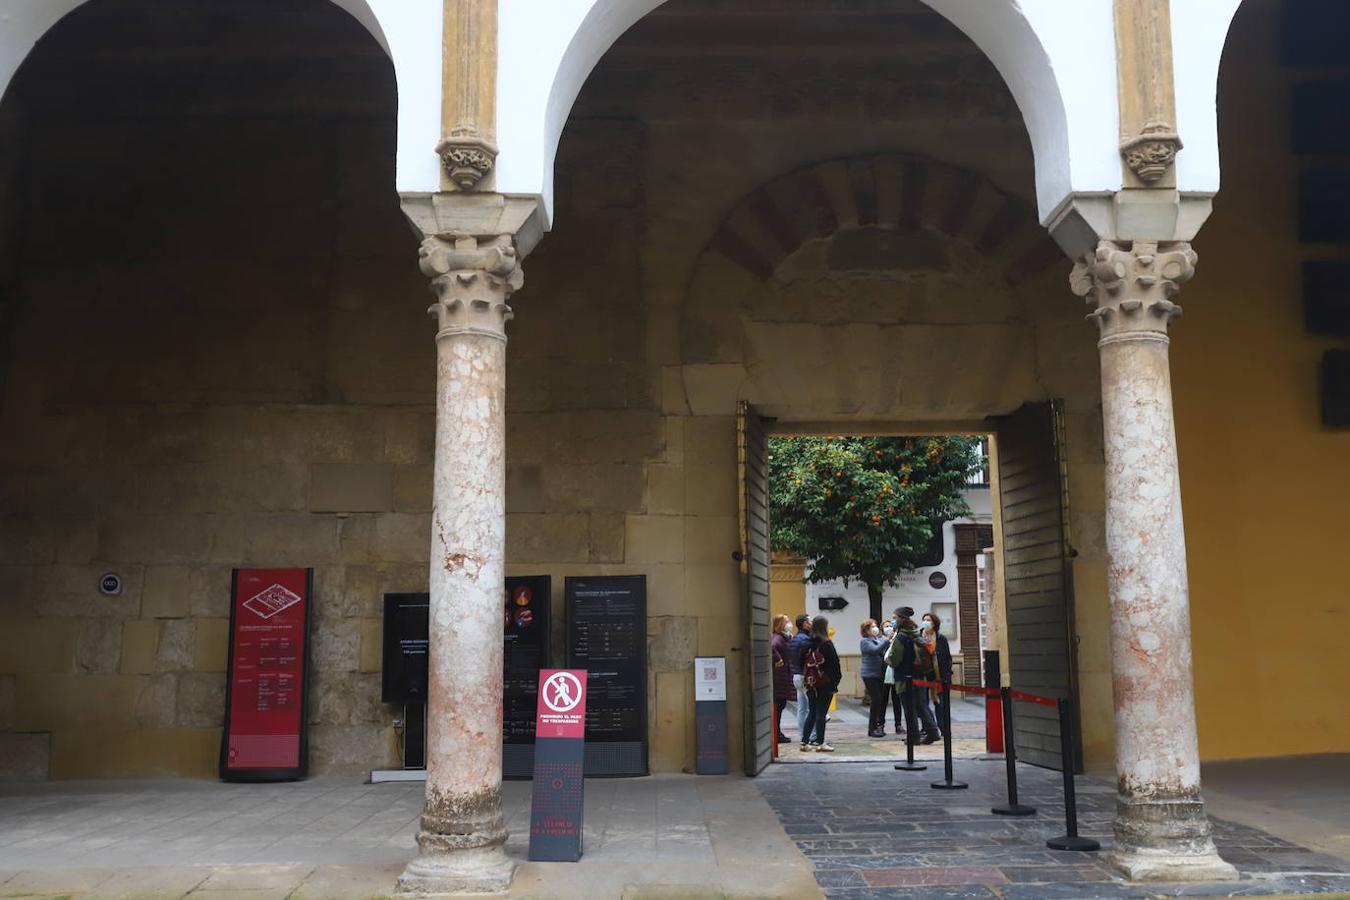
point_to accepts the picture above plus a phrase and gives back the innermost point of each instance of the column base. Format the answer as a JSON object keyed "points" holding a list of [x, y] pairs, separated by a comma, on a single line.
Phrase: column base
{"points": [[1166, 841], [476, 871]]}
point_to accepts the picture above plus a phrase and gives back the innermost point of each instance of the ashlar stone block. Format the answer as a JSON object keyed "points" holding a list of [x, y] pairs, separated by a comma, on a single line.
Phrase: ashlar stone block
{"points": [[201, 700], [672, 643], [7, 700], [654, 539], [665, 489], [350, 487], [25, 757], [100, 646], [139, 640], [213, 645], [156, 701], [337, 646], [176, 649], [167, 593], [40, 645]]}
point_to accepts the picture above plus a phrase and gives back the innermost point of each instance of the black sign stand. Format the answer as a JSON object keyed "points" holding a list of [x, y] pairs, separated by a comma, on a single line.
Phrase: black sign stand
{"points": [[607, 636], [528, 640]]}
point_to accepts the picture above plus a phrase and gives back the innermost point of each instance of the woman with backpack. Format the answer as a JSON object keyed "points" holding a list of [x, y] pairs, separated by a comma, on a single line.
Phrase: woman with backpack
{"points": [[911, 659], [872, 668], [820, 676]]}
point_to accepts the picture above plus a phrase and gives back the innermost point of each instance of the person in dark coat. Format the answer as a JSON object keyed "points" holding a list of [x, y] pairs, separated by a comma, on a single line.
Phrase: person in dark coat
{"points": [[903, 657], [943, 655], [796, 650], [872, 668], [783, 689], [821, 693]]}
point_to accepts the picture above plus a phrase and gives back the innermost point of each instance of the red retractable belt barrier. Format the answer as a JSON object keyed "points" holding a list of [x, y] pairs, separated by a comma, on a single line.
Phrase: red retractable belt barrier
{"points": [[1035, 698], [982, 691]]}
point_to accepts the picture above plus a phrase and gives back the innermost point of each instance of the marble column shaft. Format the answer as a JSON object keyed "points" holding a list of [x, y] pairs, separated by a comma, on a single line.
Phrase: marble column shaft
{"points": [[462, 829], [1161, 830]]}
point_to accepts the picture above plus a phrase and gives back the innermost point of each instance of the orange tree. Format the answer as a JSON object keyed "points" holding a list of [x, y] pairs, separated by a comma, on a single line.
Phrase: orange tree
{"points": [[866, 508]]}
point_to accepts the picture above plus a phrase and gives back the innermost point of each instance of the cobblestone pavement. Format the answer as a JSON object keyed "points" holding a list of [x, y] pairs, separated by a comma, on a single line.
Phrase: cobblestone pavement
{"points": [[873, 832], [847, 733]]}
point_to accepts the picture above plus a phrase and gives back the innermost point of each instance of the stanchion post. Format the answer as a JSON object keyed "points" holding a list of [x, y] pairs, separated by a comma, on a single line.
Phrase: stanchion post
{"points": [[911, 716], [1071, 840], [947, 784], [1012, 807]]}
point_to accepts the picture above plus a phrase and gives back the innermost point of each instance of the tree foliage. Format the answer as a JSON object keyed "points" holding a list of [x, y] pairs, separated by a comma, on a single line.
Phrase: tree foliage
{"points": [[866, 508]]}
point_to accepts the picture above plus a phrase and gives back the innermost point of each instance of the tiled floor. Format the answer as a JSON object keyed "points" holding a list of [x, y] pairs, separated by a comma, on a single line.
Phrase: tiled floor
{"points": [[873, 832]]}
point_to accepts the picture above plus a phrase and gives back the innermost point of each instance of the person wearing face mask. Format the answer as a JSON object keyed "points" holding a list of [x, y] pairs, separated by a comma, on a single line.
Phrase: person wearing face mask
{"points": [[907, 657], [873, 648], [797, 647], [926, 668], [943, 657], [889, 685], [821, 675], [783, 689]]}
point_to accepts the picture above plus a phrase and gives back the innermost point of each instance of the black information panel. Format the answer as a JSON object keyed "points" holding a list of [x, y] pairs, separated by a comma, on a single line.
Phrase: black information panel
{"points": [[527, 650], [607, 636], [405, 648]]}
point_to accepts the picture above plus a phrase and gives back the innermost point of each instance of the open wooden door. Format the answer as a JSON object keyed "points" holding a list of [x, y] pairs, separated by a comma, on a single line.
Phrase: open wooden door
{"points": [[752, 446], [1037, 569]]}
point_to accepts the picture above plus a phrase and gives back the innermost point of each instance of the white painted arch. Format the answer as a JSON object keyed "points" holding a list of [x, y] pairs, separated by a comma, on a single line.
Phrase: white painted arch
{"points": [[1059, 67], [408, 30], [1199, 31]]}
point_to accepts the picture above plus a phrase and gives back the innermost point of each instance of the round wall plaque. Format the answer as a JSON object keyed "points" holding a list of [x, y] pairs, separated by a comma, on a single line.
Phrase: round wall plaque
{"points": [[110, 584], [937, 581]]}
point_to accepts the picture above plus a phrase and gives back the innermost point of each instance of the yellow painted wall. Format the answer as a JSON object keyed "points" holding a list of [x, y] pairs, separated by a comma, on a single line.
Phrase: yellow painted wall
{"points": [[1265, 487], [787, 591]]}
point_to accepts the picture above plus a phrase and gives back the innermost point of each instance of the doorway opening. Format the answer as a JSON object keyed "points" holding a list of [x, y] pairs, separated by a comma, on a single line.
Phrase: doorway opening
{"points": [[869, 536]]}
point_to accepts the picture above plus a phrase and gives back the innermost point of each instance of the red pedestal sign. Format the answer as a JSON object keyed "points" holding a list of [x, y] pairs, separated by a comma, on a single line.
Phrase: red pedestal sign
{"points": [[559, 754], [264, 737]]}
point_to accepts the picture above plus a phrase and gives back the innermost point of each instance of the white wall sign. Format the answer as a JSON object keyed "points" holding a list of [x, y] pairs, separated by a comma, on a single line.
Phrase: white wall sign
{"points": [[710, 678]]}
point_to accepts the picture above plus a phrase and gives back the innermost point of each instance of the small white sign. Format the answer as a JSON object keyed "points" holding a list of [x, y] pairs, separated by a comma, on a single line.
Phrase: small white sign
{"points": [[710, 678]]}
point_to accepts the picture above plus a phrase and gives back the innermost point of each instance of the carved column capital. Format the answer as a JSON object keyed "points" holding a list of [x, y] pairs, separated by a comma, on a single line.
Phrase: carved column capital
{"points": [[472, 281], [1131, 285]]}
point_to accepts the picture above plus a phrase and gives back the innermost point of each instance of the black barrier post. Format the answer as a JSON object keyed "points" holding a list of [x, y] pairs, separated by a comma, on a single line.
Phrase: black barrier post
{"points": [[1012, 807], [911, 716], [1071, 840], [946, 784]]}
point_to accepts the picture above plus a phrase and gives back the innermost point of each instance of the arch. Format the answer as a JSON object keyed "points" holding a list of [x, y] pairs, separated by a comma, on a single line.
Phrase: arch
{"points": [[409, 31], [1199, 32], [885, 192], [1054, 65], [909, 263]]}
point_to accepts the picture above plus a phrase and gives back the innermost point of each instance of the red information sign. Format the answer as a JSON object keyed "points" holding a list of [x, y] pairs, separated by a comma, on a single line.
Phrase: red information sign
{"points": [[562, 704], [559, 757], [264, 737]]}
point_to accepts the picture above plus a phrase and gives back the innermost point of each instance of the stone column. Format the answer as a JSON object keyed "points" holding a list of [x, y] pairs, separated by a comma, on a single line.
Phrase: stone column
{"points": [[462, 829], [1161, 831]]}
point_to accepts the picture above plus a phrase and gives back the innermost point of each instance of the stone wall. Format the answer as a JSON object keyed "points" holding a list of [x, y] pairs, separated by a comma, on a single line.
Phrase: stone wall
{"points": [[220, 356], [218, 359]]}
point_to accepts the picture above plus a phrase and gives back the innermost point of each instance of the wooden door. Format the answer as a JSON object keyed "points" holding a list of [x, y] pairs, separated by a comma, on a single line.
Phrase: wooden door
{"points": [[753, 467], [1037, 570]]}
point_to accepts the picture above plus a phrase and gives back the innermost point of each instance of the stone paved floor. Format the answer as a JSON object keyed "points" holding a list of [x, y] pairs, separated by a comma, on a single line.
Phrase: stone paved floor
{"points": [[664, 836], [873, 832]]}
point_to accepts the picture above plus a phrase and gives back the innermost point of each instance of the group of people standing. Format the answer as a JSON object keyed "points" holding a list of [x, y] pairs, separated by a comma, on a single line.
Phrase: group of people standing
{"points": [[807, 669]]}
